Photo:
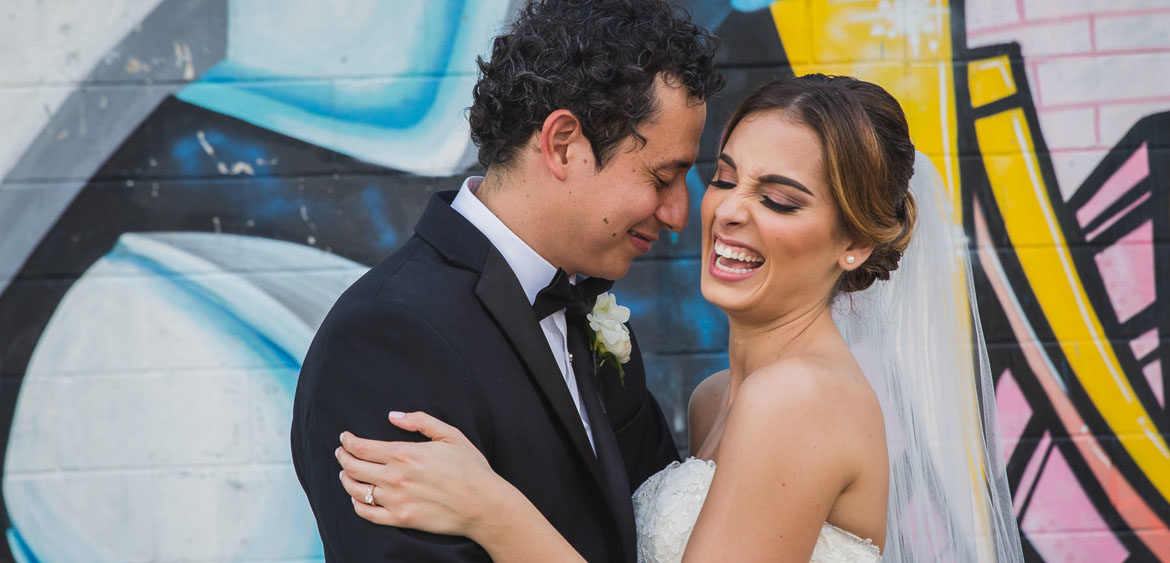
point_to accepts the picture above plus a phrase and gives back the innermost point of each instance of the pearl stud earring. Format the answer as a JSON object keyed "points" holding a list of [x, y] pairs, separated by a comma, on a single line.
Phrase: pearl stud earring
{"points": [[850, 259]]}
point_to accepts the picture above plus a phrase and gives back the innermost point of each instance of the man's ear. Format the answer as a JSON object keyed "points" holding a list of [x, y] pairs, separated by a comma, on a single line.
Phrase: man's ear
{"points": [[559, 136]]}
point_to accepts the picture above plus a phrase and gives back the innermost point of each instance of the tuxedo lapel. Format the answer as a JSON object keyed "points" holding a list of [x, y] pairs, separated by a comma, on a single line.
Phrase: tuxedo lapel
{"points": [[609, 455], [451, 233], [617, 398], [502, 296]]}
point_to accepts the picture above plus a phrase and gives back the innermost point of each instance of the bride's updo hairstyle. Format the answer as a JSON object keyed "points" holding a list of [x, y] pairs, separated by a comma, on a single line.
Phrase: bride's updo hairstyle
{"points": [[869, 159]]}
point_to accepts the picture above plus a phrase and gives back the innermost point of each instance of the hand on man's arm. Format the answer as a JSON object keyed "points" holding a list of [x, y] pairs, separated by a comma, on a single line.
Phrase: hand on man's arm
{"points": [[363, 364]]}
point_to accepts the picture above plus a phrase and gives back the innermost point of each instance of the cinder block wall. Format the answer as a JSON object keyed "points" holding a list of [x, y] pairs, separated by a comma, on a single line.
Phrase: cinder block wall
{"points": [[186, 186]]}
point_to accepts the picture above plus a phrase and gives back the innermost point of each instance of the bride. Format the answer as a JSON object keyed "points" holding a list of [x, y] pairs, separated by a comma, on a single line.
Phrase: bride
{"points": [[810, 205]]}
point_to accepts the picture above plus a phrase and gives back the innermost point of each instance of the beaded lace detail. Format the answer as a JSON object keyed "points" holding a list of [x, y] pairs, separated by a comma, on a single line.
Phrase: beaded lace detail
{"points": [[668, 503]]}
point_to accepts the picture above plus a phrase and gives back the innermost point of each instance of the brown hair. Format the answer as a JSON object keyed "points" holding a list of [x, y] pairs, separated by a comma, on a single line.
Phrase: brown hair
{"points": [[869, 159]]}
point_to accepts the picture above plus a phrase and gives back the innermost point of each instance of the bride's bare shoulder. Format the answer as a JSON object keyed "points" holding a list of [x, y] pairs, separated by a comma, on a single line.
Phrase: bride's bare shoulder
{"points": [[795, 437], [802, 394], [704, 406], [819, 376]]}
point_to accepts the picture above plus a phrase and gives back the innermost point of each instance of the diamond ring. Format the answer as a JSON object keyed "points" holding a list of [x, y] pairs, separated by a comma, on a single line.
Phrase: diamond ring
{"points": [[369, 495]]}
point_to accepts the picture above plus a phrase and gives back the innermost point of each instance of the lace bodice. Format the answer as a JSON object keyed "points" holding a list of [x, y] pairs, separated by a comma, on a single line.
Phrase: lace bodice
{"points": [[668, 503]]}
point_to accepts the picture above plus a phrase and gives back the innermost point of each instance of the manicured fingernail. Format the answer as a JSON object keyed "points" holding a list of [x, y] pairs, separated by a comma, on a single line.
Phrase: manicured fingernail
{"points": [[396, 414], [341, 437], [337, 452], [340, 473]]}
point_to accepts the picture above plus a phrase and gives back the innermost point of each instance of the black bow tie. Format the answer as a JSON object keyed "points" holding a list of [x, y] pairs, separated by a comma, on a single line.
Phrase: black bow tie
{"points": [[574, 299]]}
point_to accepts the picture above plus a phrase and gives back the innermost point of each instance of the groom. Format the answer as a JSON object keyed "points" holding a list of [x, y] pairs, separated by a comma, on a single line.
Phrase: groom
{"points": [[587, 118]]}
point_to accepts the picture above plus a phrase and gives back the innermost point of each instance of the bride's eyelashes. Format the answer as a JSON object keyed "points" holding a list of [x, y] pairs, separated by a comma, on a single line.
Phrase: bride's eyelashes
{"points": [[765, 200], [778, 207]]}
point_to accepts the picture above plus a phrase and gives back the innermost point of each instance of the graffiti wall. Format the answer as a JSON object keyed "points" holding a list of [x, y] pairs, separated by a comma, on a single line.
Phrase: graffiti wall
{"points": [[185, 188]]}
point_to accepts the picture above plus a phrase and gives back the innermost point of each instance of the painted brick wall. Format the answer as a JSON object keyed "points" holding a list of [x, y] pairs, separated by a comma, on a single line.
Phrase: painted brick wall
{"points": [[1091, 66], [186, 186], [1095, 69]]}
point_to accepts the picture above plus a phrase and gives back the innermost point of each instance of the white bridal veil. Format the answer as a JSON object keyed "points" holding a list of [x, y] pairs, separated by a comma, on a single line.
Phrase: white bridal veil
{"points": [[919, 341]]}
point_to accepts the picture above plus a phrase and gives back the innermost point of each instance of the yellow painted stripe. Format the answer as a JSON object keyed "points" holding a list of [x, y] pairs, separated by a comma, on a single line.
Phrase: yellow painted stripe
{"points": [[989, 80], [1028, 214], [914, 65]]}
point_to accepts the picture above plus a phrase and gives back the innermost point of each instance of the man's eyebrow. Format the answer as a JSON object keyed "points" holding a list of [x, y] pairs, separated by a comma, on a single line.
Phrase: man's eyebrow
{"points": [[679, 164], [785, 180]]}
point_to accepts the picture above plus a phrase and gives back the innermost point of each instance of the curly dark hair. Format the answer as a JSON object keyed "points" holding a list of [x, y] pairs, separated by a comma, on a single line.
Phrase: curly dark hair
{"points": [[596, 58]]}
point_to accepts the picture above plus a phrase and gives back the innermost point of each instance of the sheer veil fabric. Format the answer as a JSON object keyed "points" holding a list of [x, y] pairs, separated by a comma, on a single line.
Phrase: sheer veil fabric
{"points": [[920, 343]]}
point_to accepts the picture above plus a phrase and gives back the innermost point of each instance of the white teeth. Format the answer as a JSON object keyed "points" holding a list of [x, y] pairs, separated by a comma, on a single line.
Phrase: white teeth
{"points": [[726, 252], [732, 270]]}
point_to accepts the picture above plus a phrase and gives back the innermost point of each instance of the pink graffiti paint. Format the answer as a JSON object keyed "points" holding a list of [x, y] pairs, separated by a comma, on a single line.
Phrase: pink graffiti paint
{"points": [[1059, 503], [1124, 498], [1136, 513], [1127, 268], [1031, 472], [1079, 547], [1153, 373], [1144, 344], [1154, 536], [1117, 216], [1135, 169], [1013, 409]]}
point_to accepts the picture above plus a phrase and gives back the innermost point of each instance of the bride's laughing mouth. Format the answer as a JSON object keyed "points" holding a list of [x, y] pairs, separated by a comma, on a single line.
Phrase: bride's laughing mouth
{"points": [[733, 261]]}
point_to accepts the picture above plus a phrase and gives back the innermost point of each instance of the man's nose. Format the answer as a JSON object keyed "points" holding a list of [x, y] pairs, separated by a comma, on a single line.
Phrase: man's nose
{"points": [[674, 205]]}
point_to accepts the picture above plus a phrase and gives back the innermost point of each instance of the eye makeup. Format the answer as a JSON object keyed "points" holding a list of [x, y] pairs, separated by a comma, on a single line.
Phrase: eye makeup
{"points": [[778, 207]]}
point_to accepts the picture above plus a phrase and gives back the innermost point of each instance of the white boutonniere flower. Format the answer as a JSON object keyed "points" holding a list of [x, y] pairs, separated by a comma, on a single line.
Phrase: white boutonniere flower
{"points": [[611, 337]]}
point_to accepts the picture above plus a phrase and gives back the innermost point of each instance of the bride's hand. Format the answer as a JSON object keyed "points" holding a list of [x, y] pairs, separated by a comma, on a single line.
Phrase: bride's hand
{"points": [[444, 486]]}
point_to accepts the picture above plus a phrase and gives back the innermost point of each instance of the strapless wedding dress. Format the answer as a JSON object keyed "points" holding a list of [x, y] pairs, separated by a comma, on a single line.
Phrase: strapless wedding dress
{"points": [[668, 503]]}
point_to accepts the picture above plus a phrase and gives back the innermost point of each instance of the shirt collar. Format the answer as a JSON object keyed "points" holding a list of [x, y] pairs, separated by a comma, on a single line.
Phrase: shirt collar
{"points": [[533, 271]]}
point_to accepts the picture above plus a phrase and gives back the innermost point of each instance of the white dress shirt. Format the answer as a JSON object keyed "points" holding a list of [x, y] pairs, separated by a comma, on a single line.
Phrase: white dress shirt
{"points": [[534, 273]]}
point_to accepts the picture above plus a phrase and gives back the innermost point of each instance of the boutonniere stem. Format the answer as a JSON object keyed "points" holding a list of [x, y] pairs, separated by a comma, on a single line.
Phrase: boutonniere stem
{"points": [[609, 336]]}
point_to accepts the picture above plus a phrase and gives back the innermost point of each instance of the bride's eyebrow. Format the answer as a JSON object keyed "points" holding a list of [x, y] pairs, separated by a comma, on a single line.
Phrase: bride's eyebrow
{"points": [[770, 178], [783, 180]]}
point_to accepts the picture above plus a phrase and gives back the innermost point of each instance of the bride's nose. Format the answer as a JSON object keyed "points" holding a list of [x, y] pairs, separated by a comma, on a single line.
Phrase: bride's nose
{"points": [[732, 210]]}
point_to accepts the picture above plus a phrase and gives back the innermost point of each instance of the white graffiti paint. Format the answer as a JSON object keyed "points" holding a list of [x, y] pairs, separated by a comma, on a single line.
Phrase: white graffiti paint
{"points": [[153, 419]]}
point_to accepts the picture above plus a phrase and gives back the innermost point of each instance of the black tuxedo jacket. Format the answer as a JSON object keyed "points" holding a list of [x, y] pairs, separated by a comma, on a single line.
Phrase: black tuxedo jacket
{"points": [[443, 326]]}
